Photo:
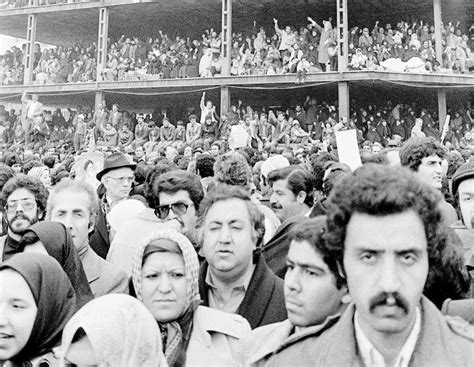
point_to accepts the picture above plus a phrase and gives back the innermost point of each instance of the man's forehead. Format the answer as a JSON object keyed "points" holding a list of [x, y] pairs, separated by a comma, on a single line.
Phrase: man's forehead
{"points": [[166, 198], [220, 210], [21, 194]]}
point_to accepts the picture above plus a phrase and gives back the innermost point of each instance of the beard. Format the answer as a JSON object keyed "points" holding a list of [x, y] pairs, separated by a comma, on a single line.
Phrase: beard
{"points": [[20, 216]]}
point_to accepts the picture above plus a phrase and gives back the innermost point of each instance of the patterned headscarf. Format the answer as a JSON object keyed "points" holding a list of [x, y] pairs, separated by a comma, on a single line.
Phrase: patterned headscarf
{"points": [[176, 342], [121, 330]]}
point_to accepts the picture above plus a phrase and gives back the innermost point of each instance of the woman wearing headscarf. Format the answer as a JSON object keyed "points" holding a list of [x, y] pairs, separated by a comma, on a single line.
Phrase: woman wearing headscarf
{"points": [[165, 277], [36, 301], [54, 239], [112, 330]]}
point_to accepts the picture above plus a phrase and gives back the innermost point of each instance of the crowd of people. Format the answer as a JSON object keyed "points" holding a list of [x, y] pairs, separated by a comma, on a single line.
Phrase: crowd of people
{"points": [[311, 48], [14, 4], [222, 240], [60, 64]]}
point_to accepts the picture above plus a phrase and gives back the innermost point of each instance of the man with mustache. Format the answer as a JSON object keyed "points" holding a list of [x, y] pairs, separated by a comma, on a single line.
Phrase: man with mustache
{"points": [[24, 203], [425, 156], [386, 233]]}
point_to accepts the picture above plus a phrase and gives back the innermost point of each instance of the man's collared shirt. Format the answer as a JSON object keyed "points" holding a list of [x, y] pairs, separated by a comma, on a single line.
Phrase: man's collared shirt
{"points": [[231, 305], [372, 357]]}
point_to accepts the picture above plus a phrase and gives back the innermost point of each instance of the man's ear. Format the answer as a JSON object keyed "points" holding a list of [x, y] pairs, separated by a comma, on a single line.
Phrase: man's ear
{"points": [[40, 214], [301, 197]]}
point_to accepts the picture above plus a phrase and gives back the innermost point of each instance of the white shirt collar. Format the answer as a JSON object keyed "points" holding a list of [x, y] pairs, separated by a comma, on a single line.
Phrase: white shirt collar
{"points": [[372, 357]]}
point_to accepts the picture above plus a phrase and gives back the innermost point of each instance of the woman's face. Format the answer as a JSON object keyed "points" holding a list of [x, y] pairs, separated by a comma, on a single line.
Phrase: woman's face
{"points": [[45, 178], [17, 313], [164, 285]]}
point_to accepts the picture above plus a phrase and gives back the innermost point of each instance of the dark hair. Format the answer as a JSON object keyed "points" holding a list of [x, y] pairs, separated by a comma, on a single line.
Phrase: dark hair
{"points": [[49, 161], [224, 192], [6, 172], [141, 172], [11, 158], [384, 190], [451, 279], [415, 149], [172, 182], [160, 168], [30, 163], [232, 169], [298, 180], [28, 183], [312, 231], [205, 165]]}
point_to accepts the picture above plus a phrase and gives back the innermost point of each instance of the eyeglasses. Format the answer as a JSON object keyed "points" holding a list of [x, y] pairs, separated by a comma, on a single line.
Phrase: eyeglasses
{"points": [[123, 179], [178, 208], [12, 206]]}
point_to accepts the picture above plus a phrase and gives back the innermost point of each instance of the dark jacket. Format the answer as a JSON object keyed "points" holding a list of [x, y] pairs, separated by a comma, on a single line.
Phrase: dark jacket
{"points": [[276, 248], [264, 301], [99, 239]]}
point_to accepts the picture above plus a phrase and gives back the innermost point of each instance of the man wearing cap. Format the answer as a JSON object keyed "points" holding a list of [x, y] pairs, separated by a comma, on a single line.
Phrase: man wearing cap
{"points": [[116, 177], [193, 131], [463, 191]]}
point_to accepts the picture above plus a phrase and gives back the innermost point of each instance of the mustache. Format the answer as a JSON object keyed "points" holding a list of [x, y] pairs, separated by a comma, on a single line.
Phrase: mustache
{"points": [[20, 216], [276, 206], [389, 299]]}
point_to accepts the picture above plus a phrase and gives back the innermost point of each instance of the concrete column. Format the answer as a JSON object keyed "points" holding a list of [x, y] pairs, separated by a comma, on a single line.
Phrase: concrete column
{"points": [[343, 95], [225, 100], [102, 41], [226, 36], [438, 34], [442, 108], [99, 98], [30, 49], [342, 35]]}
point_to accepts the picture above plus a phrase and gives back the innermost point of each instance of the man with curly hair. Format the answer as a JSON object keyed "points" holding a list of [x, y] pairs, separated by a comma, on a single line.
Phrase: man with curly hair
{"points": [[385, 231], [24, 203], [425, 157]]}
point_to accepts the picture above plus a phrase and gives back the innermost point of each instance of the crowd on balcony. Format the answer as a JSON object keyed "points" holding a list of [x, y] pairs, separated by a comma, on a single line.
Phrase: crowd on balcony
{"points": [[284, 49], [411, 47], [13, 4], [51, 65]]}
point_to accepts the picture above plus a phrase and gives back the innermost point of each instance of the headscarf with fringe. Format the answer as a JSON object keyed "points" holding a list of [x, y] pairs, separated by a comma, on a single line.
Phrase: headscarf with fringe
{"points": [[175, 333]]}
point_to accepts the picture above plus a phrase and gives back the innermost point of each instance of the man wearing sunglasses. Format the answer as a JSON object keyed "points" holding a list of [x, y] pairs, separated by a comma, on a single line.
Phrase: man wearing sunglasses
{"points": [[179, 194], [24, 203]]}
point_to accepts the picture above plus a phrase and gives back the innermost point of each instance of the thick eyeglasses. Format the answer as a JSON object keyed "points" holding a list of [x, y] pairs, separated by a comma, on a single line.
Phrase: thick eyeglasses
{"points": [[122, 179], [12, 206], [179, 208]]}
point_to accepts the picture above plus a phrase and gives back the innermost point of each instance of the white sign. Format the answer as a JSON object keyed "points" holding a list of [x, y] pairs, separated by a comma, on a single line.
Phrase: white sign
{"points": [[347, 148]]}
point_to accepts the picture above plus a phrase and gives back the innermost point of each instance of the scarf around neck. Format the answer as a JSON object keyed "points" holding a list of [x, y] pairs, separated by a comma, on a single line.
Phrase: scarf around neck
{"points": [[176, 333]]}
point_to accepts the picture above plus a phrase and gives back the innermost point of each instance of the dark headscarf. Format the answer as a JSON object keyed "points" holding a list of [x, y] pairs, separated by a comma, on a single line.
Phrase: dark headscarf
{"points": [[59, 244], [54, 296]]}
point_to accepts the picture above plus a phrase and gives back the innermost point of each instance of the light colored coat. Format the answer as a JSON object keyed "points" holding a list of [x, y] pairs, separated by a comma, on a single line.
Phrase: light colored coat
{"points": [[103, 277], [437, 344], [216, 339]]}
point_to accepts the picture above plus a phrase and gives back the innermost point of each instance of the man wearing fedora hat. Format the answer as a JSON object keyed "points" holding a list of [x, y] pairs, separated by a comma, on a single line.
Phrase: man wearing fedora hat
{"points": [[117, 178]]}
